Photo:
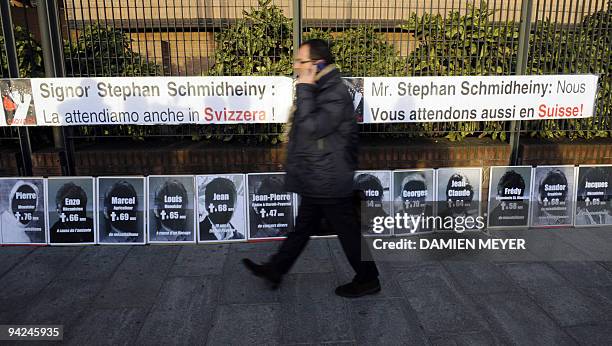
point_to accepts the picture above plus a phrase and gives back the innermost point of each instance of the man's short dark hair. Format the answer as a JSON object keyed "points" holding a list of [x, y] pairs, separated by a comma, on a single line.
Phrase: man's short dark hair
{"points": [[121, 189], [319, 50], [70, 190], [510, 179], [554, 177], [221, 186]]}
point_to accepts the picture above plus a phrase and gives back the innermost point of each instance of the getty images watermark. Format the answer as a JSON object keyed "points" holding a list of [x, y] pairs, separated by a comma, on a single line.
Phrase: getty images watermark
{"points": [[408, 223]]}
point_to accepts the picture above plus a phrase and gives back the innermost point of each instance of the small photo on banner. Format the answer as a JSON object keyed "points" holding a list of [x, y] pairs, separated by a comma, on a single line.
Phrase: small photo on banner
{"points": [[355, 88], [70, 207], [459, 190], [221, 207], [552, 196], [413, 200], [374, 188], [593, 196], [121, 210], [22, 211], [17, 102], [171, 209], [270, 206], [509, 197]]}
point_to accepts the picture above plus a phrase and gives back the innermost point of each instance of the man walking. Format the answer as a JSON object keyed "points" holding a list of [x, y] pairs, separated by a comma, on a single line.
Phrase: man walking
{"points": [[321, 160]]}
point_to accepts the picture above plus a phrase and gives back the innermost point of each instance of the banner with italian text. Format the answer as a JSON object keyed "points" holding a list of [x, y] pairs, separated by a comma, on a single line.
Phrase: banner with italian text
{"points": [[254, 99]]}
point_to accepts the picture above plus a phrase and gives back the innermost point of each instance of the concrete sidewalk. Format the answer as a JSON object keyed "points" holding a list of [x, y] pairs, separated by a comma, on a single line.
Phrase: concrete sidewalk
{"points": [[201, 294]]}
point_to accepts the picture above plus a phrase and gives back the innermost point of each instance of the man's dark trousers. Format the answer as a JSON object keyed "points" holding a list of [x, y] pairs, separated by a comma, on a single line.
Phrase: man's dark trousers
{"points": [[340, 214]]}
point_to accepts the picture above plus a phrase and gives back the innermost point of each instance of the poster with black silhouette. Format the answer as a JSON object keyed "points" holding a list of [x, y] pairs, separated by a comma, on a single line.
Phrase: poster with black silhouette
{"points": [[413, 200], [121, 210], [270, 206], [552, 196], [70, 209], [221, 207], [22, 211], [17, 102], [458, 196], [593, 196], [509, 197], [355, 88], [171, 209], [374, 188]]}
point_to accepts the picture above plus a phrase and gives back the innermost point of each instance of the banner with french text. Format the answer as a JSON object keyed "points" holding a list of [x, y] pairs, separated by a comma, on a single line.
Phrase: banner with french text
{"points": [[251, 99], [478, 98]]}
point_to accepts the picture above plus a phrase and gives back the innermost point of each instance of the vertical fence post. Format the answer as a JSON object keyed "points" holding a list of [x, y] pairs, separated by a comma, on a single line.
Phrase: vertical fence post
{"points": [[521, 68], [297, 24], [53, 58], [25, 145]]}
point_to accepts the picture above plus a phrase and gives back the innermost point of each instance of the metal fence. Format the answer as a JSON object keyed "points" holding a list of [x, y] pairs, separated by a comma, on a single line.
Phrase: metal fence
{"points": [[371, 38]]}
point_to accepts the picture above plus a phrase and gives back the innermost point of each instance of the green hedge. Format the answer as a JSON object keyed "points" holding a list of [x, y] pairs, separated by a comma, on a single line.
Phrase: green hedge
{"points": [[468, 44], [29, 55]]}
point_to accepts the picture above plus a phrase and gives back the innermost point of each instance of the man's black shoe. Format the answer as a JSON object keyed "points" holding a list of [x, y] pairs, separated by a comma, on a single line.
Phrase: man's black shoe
{"points": [[358, 289], [264, 271]]}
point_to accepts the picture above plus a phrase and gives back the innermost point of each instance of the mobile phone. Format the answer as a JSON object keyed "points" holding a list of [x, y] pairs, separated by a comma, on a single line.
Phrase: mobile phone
{"points": [[321, 66]]}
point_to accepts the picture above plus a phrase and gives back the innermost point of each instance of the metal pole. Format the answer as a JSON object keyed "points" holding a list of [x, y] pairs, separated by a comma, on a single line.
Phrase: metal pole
{"points": [[13, 68], [521, 69], [53, 57], [297, 24]]}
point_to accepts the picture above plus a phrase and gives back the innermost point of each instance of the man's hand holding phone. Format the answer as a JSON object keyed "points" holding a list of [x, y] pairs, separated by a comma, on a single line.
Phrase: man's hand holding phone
{"points": [[307, 74]]}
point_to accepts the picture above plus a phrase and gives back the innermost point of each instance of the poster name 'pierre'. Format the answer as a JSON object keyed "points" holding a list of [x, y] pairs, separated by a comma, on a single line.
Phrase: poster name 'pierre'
{"points": [[124, 91]]}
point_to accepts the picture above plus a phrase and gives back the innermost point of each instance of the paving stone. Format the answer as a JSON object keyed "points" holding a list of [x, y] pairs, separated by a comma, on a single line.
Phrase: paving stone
{"points": [[421, 278], [548, 245], [516, 319], [265, 248], [36, 271], [200, 259], [106, 327], [182, 314], [593, 334], [467, 339], [138, 279], [601, 295], [584, 274], [479, 277], [26, 279], [95, 263], [596, 249], [12, 255], [61, 302], [441, 309], [534, 275], [310, 297], [240, 286], [385, 322], [246, 324], [566, 305]]}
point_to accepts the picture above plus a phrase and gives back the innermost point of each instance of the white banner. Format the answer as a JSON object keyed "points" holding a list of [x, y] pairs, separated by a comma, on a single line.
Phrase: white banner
{"points": [[161, 100], [248, 99], [482, 98]]}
